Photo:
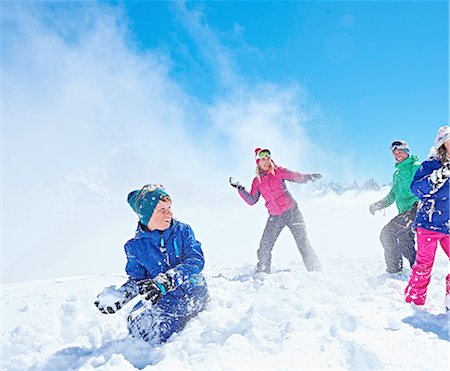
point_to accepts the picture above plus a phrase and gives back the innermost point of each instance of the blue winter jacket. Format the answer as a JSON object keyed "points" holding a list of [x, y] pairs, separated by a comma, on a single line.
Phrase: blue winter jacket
{"points": [[152, 252], [433, 212]]}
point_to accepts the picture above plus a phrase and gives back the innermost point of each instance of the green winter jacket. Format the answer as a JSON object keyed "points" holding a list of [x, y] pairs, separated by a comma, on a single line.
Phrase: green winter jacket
{"points": [[401, 192]]}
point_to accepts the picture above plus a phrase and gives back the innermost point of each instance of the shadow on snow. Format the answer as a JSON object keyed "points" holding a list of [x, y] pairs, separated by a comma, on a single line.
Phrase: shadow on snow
{"points": [[135, 351], [438, 324]]}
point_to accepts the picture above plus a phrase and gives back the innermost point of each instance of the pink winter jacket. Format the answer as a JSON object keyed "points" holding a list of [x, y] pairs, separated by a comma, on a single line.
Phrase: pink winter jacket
{"points": [[274, 191]]}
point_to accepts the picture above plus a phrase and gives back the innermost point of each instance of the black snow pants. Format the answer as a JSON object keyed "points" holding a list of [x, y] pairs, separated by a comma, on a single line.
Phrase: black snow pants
{"points": [[397, 238], [294, 220]]}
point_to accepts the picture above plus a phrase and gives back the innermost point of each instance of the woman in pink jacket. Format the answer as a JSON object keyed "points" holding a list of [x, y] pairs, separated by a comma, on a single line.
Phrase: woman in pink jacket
{"points": [[283, 210]]}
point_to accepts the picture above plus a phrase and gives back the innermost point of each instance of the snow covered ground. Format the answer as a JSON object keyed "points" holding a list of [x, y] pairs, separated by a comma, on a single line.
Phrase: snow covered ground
{"points": [[350, 317]]}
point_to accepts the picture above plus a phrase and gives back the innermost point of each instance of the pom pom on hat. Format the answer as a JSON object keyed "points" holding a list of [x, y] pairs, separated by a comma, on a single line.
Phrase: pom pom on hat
{"points": [[259, 155]]}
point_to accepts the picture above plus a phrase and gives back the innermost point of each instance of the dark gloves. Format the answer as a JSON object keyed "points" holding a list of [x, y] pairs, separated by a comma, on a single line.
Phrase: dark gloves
{"points": [[312, 177], [110, 300], [439, 176], [151, 291], [410, 215], [155, 288], [235, 183], [376, 206]]}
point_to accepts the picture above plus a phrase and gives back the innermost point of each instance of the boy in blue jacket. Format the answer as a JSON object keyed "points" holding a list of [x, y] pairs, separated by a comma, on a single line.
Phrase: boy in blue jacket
{"points": [[164, 261]]}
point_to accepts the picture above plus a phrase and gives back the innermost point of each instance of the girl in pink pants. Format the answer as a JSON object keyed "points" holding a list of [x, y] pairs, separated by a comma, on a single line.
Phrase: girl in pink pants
{"points": [[416, 291], [431, 186]]}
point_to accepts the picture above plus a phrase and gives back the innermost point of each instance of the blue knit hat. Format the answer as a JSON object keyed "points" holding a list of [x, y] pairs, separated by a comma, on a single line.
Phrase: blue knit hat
{"points": [[144, 201]]}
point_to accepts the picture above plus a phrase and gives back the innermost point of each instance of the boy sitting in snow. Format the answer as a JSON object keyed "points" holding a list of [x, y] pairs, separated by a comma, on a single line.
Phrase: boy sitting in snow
{"points": [[164, 261]]}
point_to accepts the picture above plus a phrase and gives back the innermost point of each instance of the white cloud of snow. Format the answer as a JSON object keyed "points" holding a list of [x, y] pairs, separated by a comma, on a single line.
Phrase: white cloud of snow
{"points": [[88, 117]]}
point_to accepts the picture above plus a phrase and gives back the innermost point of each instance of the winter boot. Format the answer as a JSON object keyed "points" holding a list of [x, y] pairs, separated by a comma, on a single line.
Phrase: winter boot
{"points": [[262, 268]]}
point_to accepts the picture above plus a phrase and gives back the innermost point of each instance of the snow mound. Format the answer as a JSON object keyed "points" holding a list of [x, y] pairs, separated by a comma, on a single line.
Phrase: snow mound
{"points": [[350, 316]]}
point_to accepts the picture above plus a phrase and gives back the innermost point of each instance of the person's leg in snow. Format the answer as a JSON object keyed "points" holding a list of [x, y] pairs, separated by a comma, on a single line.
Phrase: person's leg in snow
{"points": [[155, 323], [407, 240], [445, 243], [274, 226], [447, 292], [407, 245], [396, 239], [294, 220], [154, 326], [427, 241]]}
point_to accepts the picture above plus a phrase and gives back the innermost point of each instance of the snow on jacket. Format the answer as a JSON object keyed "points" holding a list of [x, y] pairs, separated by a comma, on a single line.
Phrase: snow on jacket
{"points": [[152, 252], [433, 212], [400, 191], [273, 189]]}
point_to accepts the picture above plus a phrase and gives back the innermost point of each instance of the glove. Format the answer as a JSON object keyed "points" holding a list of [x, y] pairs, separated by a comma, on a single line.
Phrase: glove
{"points": [[235, 183], [151, 291], [110, 300], [155, 288], [312, 177], [410, 215], [439, 176], [376, 206]]}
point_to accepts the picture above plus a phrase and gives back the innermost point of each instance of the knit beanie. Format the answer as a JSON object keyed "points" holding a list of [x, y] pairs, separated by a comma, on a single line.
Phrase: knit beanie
{"points": [[144, 201], [442, 136]]}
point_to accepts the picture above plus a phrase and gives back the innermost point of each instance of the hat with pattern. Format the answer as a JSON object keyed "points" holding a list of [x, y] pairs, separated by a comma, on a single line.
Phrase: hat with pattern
{"points": [[144, 201]]}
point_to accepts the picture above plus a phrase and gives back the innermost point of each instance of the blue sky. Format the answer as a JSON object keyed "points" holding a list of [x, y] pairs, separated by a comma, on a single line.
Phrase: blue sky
{"points": [[377, 70], [327, 85]]}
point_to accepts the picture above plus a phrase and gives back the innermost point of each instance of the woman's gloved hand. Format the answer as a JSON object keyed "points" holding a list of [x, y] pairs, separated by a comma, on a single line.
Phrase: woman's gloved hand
{"points": [[235, 183]]}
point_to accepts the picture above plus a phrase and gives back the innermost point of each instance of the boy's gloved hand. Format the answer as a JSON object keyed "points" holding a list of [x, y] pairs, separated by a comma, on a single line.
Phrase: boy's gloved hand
{"points": [[155, 288], [151, 291], [312, 177], [376, 206], [235, 183], [110, 300]]}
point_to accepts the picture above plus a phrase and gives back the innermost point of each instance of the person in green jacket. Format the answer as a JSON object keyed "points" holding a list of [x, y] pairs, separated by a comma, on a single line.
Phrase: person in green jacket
{"points": [[397, 237]]}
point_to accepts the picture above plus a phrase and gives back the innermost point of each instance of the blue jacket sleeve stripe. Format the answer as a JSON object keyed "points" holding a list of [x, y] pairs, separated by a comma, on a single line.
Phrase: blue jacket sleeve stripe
{"points": [[177, 249]]}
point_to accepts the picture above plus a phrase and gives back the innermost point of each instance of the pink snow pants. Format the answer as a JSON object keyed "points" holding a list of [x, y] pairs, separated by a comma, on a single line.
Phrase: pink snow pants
{"points": [[427, 241]]}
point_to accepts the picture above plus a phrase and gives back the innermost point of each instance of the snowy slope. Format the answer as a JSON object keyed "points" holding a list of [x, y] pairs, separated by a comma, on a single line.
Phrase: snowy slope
{"points": [[351, 316]]}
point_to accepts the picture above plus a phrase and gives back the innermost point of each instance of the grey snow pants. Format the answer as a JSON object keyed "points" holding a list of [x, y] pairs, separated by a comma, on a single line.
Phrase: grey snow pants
{"points": [[292, 218], [397, 239]]}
